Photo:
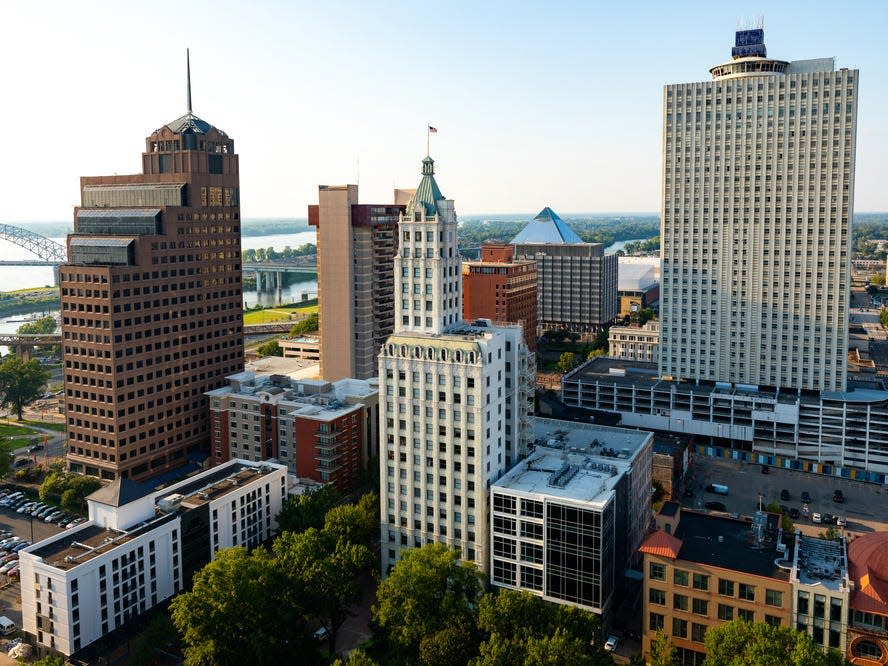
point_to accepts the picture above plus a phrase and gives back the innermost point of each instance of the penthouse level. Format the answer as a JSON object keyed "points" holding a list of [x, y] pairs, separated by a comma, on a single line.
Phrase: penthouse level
{"points": [[139, 547], [798, 430]]}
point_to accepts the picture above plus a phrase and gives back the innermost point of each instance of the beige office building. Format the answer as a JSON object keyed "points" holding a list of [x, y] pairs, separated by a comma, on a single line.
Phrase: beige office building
{"points": [[758, 191], [356, 245], [635, 343]]}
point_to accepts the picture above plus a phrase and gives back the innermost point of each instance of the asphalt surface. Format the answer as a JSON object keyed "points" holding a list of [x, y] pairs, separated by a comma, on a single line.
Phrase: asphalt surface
{"points": [[865, 506]]}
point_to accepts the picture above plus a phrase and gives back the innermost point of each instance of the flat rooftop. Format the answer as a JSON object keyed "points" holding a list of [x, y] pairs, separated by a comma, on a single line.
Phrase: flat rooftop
{"points": [[575, 461], [821, 562], [216, 484], [728, 543]]}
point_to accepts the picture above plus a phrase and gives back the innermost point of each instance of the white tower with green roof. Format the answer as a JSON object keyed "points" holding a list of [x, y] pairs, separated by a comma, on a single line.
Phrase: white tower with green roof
{"points": [[455, 397]]}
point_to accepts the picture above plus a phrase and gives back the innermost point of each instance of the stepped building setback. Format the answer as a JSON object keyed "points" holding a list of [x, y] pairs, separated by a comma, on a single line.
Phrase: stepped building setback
{"points": [[151, 304], [455, 398]]}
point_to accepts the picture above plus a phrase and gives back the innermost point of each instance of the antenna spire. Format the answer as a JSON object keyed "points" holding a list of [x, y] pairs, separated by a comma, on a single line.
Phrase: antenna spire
{"points": [[188, 69]]}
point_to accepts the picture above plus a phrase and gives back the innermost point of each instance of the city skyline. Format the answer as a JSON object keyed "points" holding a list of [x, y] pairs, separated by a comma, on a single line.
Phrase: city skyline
{"points": [[314, 94]]}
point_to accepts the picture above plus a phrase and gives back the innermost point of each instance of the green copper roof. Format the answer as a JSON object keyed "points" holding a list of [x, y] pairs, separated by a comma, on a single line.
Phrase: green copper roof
{"points": [[427, 194]]}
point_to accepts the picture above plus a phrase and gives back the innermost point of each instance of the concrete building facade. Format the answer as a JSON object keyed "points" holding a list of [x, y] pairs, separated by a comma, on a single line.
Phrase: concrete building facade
{"points": [[455, 398], [324, 431], [356, 247], [758, 192], [151, 304], [139, 548], [568, 520], [576, 281], [635, 343], [500, 288]]}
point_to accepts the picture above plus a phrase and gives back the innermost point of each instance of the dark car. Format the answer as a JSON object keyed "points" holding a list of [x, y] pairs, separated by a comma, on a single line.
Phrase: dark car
{"points": [[838, 497], [715, 506], [766, 469], [829, 519], [806, 498], [784, 495], [794, 514], [35, 448]]}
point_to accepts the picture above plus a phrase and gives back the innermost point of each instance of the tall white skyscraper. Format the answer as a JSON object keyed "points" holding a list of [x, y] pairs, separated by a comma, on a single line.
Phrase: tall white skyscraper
{"points": [[758, 192], [455, 398]]}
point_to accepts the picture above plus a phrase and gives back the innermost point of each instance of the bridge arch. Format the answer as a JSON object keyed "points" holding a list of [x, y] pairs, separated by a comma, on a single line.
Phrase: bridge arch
{"points": [[45, 248]]}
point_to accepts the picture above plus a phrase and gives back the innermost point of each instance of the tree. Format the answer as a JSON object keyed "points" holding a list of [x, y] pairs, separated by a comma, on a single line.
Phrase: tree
{"points": [[242, 604], [454, 645], [566, 362], [307, 325], [663, 652], [739, 642], [831, 534], [356, 523], [308, 509], [427, 589], [600, 339], [45, 325], [270, 348], [70, 489], [47, 660], [356, 658], [877, 279], [21, 382], [327, 570]]}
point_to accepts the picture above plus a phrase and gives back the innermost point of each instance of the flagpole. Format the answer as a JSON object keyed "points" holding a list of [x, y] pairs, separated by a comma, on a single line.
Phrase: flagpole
{"points": [[428, 135]]}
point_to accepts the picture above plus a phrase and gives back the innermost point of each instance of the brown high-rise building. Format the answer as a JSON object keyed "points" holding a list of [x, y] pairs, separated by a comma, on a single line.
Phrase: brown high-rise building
{"points": [[501, 288], [152, 303], [356, 245]]}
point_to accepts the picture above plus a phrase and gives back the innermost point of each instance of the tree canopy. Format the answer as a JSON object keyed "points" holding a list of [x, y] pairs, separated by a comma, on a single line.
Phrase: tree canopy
{"points": [[21, 382], [270, 348], [43, 325], [663, 652], [738, 643], [427, 589], [307, 325], [309, 509]]}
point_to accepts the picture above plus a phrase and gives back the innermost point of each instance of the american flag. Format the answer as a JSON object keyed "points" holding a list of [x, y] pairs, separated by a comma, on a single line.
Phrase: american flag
{"points": [[433, 129]]}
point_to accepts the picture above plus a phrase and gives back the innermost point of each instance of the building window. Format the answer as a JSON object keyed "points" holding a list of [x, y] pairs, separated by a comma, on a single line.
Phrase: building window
{"points": [[725, 587], [773, 620], [746, 614], [657, 571], [725, 612], [747, 592], [774, 598], [679, 627], [680, 577], [803, 603], [679, 602], [701, 582], [698, 632], [656, 621], [656, 596], [700, 606]]}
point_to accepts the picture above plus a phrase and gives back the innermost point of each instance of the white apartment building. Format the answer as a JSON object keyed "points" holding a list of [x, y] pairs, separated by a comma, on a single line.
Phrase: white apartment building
{"points": [[758, 192], [455, 398], [139, 548], [635, 343], [568, 519]]}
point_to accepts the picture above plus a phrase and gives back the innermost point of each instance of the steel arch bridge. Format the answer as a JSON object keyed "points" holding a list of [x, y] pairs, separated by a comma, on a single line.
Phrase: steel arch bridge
{"points": [[46, 249]]}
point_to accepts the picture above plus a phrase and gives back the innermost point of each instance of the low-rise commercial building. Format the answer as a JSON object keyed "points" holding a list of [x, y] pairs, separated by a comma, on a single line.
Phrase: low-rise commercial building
{"points": [[701, 570], [568, 520], [306, 346], [325, 431], [139, 548], [635, 343]]}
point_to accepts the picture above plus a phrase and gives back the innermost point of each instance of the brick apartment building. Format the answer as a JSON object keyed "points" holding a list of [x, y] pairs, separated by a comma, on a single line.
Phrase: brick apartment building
{"points": [[151, 304], [325, 431], [501, 288]]}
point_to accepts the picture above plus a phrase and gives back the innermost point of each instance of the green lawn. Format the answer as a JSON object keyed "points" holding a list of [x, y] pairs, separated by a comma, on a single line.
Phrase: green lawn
{"points": [[284, 313]]}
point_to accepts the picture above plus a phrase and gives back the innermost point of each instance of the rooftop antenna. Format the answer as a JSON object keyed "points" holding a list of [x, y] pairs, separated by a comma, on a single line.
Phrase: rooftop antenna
{"points": [[188, 69]]}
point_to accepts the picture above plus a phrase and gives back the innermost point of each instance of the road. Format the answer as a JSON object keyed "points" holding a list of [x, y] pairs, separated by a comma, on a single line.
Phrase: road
{"points": [[865, 506]]}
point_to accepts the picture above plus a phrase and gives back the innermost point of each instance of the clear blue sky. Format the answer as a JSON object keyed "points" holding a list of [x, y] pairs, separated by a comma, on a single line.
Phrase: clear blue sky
{"points": [[555, 103]]}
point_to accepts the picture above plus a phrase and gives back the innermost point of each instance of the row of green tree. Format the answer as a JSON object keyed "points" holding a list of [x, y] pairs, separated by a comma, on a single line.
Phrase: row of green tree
{"points": [[740, 643], [68, 490], [253, 255], [605, 229], [642, 247]]}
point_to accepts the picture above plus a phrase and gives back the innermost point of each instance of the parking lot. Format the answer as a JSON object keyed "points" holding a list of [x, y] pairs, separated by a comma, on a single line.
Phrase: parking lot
{"points": [[865, 507]]}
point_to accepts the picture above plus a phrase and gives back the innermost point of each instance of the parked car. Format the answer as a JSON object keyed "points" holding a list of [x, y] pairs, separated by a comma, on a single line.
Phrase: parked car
{"points": [[611, 644], [43, 513], [13, 573], [784, 495], [829, 519], [52, 517], [5, 492], [27, 506], [321, 634], [806, 498], [9, 541], [841, 521], [839, 497], [794, 513], [6, 559], [766, 469], [21, 546], [64, 519], [9, 565], [816, 518], [74, 523], [715, 506]]}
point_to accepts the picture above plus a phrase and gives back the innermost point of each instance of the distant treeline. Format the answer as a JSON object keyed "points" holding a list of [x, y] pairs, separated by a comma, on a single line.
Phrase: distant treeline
{"points": [[606, 229], [261, 254]]}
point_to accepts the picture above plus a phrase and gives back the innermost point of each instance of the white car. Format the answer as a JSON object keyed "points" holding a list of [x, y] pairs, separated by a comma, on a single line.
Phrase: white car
{"points": [[816, 518], [611, 643]]}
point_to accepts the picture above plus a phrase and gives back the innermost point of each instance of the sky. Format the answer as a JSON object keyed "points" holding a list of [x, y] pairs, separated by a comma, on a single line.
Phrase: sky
{"points": [[536, 103]]}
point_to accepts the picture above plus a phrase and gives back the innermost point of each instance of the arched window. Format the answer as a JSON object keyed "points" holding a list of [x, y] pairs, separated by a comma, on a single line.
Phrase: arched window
{"points": [[868, 650]]}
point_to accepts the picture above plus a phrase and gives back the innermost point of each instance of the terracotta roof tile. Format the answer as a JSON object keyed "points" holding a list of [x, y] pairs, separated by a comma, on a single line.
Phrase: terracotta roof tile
{"points": [[661, 544]]}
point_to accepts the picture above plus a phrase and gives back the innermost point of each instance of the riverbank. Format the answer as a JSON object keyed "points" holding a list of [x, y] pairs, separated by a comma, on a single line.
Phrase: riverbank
{"points": [[25, 301]]}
